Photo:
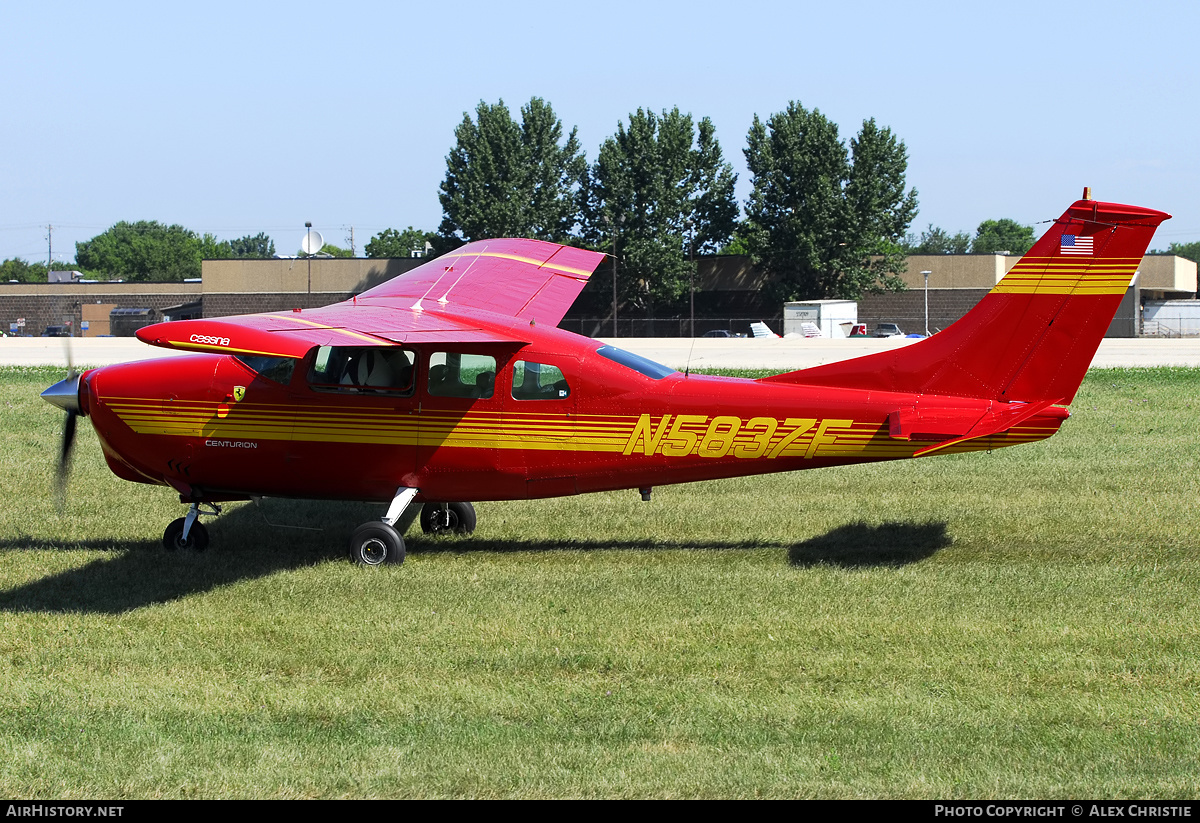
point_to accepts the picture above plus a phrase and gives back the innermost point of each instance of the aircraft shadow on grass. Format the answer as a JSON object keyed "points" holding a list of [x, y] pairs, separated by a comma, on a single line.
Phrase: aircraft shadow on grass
{"points": [[141, 573], [859, 545]]}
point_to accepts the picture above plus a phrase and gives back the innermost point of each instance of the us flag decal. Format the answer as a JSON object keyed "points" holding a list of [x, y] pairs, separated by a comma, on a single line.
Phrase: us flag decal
{"points": [[1074, 244]]}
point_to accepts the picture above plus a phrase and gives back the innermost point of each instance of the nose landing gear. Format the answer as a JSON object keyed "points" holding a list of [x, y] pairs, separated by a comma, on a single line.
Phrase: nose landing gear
{"points": [[188, 532]]}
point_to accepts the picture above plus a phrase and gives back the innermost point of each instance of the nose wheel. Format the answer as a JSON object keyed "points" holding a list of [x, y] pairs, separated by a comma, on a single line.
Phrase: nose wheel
{"points": [[188, 533], [196, 540]]}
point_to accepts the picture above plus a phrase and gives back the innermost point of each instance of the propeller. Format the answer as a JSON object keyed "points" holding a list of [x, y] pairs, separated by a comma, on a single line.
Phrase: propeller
{"points": [[65, 395]]}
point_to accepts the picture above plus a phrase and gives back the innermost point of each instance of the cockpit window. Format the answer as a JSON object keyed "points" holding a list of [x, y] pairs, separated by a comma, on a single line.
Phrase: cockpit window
{"points": [[368, 369], [642, 365], [538, 381], [455, 374], [277, 369]]}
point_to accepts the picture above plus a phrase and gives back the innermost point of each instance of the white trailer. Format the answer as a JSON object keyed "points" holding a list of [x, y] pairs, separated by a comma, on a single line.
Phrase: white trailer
{"points": [[833, 317]]}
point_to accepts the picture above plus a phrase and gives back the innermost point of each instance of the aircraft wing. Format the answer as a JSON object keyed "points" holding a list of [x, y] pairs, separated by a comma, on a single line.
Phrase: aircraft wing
{"points": [[525, 279], [491, 291]]}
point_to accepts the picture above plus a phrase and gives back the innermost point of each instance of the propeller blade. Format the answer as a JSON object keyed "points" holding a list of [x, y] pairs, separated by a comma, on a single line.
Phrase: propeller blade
{"points": [[64, 455], [65, 395]]}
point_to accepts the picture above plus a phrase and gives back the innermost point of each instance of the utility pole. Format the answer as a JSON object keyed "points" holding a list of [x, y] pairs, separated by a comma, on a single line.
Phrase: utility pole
{"points": [[49, 250], [353, 250]]}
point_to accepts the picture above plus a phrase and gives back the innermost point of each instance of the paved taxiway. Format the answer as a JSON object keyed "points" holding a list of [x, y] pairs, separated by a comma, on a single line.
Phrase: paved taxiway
{"points": [[779, 354]]}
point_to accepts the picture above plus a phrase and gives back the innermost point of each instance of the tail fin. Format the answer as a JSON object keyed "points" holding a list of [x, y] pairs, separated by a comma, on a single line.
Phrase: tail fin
{"points": [[1033, 336]]}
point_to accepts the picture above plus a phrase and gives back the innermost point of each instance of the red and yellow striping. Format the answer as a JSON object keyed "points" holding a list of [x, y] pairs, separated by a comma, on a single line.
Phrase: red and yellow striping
{"points": [[645, 435]]}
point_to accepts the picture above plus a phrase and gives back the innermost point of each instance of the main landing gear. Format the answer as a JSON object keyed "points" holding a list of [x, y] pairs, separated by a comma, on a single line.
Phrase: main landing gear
{"points": [[380, 542], [447, 518], [377, 543]]}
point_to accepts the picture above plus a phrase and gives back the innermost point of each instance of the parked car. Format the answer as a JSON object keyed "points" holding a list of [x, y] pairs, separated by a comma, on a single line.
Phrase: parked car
{"points": [[718, 333], [887, 330], [57, 331]]}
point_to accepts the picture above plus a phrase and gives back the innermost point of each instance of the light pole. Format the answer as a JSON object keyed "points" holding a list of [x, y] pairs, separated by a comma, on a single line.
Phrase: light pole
{"points": [[614, 226], [692, 276], [926, 273], [308, 243]]}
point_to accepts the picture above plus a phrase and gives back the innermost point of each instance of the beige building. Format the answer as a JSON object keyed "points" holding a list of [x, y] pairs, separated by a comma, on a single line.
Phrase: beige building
{"points": [[727, 289]]}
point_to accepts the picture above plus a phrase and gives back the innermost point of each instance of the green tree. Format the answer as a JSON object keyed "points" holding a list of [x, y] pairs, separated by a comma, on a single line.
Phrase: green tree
{"points": [[146, 251], [252, 247], [328, 250], [662, 189], [1004, 235], [737, 244], [1189, 250], [24, 272], [824, 221], [213, 249], [936, 240], [392, 243], [509, 179]]}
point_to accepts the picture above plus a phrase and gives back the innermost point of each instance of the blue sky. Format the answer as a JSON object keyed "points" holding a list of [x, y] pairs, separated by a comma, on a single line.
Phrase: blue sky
{"points": [[235, 118]]}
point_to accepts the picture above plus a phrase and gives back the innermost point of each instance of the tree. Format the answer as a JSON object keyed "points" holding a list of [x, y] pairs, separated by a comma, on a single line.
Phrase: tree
{"points": [[937, 240], [392, 243], [663, 191], [327, 250], [1189, 250], [145, 251], [24, 272], [509, 179], [256, 247], [1004, 235], [823, 221]]}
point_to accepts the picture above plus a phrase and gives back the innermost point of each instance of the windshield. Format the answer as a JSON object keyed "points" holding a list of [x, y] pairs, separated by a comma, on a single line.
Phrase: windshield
{"points": [[642, 365], [278, 369]]}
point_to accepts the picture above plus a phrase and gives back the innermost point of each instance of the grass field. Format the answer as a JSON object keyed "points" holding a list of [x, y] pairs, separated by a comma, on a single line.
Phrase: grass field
{"points": [[1019, 624]]}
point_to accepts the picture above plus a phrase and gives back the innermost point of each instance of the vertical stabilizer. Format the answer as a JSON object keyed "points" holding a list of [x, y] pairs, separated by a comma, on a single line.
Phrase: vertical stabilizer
{"points": [[1033, 336]]}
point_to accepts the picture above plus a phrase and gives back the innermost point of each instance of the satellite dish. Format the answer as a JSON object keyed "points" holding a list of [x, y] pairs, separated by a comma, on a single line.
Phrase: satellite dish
{"points": [[312, 242]]}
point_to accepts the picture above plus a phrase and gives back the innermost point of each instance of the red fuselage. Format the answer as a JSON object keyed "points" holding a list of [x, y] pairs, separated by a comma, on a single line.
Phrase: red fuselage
{"points": [[554, 417]]}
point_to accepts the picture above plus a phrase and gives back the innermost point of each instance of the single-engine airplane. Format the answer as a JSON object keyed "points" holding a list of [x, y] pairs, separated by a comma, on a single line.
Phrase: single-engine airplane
{"points": [[451, 384]]}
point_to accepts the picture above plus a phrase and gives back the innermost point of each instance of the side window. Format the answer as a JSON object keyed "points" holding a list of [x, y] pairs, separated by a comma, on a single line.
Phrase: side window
{"points": [[277, 369], [538, 381], [453, 374], [367, 369]]}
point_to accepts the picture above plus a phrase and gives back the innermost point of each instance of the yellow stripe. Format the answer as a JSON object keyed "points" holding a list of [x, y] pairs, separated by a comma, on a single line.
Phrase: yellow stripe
{"points": [[547, 265], [575, 433], [1061, 276]]}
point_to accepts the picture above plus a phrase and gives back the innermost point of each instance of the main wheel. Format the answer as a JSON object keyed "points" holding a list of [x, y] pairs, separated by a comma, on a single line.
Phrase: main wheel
{"points": [[447, 518], [374, 544], [197, 539]]}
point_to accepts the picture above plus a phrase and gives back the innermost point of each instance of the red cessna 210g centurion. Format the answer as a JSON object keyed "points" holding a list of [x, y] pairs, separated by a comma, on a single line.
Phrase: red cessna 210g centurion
{"points": [[451, 383]]}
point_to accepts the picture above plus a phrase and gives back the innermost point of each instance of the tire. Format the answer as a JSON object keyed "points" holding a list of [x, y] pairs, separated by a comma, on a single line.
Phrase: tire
{"points": [[447, 518], [376, 544], [197, 538]]}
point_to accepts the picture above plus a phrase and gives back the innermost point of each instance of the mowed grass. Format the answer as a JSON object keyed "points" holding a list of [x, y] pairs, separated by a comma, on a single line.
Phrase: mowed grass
{"points": [[1014, 624]]}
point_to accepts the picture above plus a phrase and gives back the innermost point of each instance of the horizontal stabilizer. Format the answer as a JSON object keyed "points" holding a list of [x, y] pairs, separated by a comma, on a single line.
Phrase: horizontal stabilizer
{"points": [[997, 422]]}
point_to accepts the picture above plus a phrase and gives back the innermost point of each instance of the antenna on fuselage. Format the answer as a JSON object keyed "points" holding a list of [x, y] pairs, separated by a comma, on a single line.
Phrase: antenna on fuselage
{"points": [[687, 367]]}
